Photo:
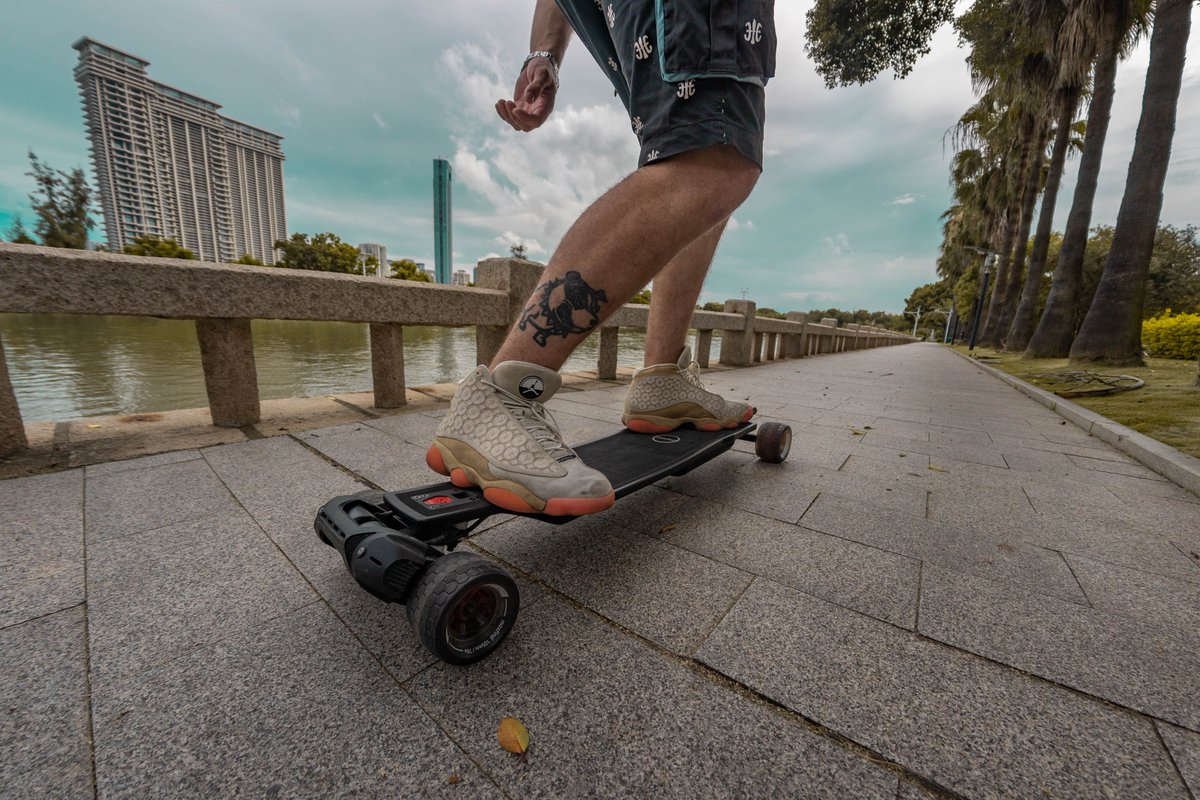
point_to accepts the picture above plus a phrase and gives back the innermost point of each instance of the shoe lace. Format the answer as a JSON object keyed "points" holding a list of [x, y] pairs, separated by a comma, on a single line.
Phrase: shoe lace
{"points": [[536, 420], [692, 375]]}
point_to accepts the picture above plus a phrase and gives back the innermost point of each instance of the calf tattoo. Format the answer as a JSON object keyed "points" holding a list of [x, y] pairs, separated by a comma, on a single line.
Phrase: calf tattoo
{"points": [[562, 306]]}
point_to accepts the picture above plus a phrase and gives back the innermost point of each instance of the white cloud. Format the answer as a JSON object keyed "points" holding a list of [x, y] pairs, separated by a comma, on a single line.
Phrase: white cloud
{"points": [[379, 121], [906, 199], [838, 245], [509, 239], [737, 225], [536, 183]]}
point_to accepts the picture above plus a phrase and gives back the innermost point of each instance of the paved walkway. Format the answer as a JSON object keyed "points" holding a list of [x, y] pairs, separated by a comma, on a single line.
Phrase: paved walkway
{"points": [[945, 591]]}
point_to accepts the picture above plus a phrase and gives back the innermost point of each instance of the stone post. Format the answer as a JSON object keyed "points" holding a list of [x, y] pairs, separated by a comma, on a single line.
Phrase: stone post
{"points": [[12, 429], [703, 348], [737, 346], [758, 347], [230, 377], [516, 276], [387, 364], [829, 343], [852, 336], [606, 366], [794, 343], [772, 343]]}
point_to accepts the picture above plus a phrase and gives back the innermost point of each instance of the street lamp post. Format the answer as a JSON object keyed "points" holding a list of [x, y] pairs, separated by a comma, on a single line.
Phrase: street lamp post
{"points": [[987, 273]]}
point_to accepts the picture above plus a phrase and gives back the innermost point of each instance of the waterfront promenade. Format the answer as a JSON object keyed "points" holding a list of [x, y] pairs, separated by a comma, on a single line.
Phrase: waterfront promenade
{"points": [[947, 590]]}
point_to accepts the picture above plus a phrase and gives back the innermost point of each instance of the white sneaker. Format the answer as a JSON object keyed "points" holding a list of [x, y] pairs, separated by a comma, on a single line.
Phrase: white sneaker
{"points": [[664, 396], [498, 436]]}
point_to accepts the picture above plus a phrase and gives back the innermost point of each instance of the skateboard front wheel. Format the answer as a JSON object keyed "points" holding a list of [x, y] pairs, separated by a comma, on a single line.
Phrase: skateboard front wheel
{"points": [[773, 441], [463, 606]]}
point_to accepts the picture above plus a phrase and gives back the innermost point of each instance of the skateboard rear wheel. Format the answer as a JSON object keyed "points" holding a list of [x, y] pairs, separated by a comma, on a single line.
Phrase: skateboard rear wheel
{"points": [[773, 441], [463, 606]]}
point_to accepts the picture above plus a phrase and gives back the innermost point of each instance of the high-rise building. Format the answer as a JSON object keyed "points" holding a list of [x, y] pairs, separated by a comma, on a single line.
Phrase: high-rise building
{"points": [[168, 164], [461, 278], [443, 240], [367, 249]]}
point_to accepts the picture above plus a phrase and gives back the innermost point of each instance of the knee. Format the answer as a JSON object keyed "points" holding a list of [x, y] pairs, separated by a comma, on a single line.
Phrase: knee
{"points": [[731, 178]]}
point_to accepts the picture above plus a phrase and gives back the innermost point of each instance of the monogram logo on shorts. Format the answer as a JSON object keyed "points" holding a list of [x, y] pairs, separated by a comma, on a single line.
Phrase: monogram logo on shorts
{"points": [[642, 48], [686, 90], [753, 31]]}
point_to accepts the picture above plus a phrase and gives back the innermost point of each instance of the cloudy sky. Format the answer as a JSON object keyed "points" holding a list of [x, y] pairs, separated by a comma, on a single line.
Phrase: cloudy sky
{"points": [[368, 92]]}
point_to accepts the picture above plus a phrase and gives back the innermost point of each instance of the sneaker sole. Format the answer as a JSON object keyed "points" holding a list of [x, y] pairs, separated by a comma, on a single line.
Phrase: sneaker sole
{"points": [[649, 423], [509, 495]]}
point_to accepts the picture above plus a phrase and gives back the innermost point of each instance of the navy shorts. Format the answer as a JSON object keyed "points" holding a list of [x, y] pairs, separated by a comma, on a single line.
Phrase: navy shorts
{"points": [[691, 73]]}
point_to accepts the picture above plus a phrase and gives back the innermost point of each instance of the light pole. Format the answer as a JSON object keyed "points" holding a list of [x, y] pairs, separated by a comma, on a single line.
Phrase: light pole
{"points": [[987, 273], [916, 315]]}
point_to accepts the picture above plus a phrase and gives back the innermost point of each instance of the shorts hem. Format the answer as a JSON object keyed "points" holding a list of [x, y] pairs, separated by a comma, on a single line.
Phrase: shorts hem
{"points": [[699, 135]]}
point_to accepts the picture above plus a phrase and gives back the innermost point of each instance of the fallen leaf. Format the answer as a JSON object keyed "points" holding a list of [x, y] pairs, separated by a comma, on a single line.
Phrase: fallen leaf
{"points": [[513, 735], [859, 433], [936, 468], [904, 455], [867, 428], [453, 779], [666, 528], [95, 426]]}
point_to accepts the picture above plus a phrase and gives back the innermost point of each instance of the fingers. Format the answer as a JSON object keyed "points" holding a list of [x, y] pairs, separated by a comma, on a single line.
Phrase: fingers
{"points": [[533, 99], [519, 120]]}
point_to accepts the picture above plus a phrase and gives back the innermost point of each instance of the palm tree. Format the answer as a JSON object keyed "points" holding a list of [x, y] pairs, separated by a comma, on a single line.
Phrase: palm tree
{"points": [[1112, 330], [1071, 72], [1109, 33]]}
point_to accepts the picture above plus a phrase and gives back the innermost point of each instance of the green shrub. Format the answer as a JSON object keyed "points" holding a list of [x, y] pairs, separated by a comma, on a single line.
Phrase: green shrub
{"points": [[1167, 336]]}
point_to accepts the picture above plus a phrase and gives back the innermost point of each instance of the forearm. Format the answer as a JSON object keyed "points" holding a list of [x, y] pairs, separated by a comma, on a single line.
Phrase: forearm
{"points": [[551, 31]]}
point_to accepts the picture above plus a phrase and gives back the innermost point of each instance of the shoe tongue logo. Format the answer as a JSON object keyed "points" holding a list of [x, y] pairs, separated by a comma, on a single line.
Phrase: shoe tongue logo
{"points": [[531, 387]]}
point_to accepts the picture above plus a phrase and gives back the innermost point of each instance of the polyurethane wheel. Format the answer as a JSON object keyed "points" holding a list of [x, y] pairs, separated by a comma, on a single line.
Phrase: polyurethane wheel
{"points": [[463, 606], [773, 441]]}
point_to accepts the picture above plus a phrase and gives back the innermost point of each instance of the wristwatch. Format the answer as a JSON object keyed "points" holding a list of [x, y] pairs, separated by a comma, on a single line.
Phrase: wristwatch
{"points": [[546, 55]]}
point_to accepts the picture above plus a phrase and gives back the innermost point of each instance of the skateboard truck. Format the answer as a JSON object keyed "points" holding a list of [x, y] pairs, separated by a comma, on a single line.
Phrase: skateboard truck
{"points": [[400, 546]]}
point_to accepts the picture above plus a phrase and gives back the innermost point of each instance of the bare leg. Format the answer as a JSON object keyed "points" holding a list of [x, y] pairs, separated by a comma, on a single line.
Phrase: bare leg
{"points": [[621, 242], [674, 297]]}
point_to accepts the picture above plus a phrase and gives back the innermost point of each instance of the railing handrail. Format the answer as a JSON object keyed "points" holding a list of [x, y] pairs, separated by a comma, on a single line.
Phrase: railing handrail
{"points": [[223, 298]]}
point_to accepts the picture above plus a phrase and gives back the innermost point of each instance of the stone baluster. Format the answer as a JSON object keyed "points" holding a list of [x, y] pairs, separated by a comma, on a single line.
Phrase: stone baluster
{"points": [[230, 377], [737, 347], [387, 364]]}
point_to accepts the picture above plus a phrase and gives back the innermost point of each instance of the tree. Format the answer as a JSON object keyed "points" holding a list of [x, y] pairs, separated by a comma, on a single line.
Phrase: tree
{"points": [[1174, 279], [1107, 35], [713, 306], [769, 313], [852, 41], [17, 233], [62, 202], [517, 250], [1112, 330], [155, 247], [642, 298], [246, 258], [407, 270], [324, 253], [1071, 67]]}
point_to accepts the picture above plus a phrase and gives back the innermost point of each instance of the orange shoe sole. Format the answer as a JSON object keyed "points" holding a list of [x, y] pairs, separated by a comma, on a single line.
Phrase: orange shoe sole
{"points": [[510, 501], [646, 426]]}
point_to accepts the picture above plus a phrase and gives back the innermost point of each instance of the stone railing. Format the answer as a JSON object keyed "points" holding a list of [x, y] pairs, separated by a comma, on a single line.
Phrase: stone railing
{"points": [[223, 298]]}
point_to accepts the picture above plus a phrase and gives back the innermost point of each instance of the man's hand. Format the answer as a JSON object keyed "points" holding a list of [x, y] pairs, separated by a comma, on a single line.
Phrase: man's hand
{"points": [[533, 97]]}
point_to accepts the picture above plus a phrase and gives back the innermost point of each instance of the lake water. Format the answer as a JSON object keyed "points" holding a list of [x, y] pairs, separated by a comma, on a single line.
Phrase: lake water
{"points": [[64, 366]]}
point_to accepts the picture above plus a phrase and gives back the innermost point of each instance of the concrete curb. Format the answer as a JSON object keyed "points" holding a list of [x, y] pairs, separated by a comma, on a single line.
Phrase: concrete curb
{"points": [[1177, 467]]}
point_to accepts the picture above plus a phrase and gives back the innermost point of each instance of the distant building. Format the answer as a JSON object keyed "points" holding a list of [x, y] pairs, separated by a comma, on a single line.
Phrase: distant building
{"points": [[168, 165], [461, 278], [367, 250]]}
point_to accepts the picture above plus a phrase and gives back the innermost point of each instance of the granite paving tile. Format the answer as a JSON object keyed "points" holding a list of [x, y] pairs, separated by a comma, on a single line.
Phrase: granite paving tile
{"points": [[1141, 595], [44, 730], [940, 435], [973, 726], [1115, 467], [41, 546], [1184, 746], [967, 504], [282, 484], [416, 429], [611, 717], [997, 554], [669, 595], [1147, 667], [906, 413], [293, 708], [144, 499], [875, 582], [156, 594], [782, 491], [976, 453], [1098, 450], [381, 458], [113, 467], [35, 503]]}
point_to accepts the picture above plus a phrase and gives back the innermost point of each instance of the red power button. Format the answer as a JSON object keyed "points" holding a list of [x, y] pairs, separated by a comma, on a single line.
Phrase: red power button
{"points": [[439, 500]]}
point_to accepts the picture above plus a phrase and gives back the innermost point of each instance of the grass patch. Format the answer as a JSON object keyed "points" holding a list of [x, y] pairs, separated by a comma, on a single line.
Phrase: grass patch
{"points": [[1167, 408]]}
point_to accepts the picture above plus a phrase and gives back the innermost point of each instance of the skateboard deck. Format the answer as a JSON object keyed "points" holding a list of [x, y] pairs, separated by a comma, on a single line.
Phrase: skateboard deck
{"points": [[629, 460]]}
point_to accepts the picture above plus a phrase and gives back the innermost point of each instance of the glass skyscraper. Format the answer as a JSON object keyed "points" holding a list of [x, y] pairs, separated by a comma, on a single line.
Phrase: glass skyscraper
{"points": [[168, 164]]}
